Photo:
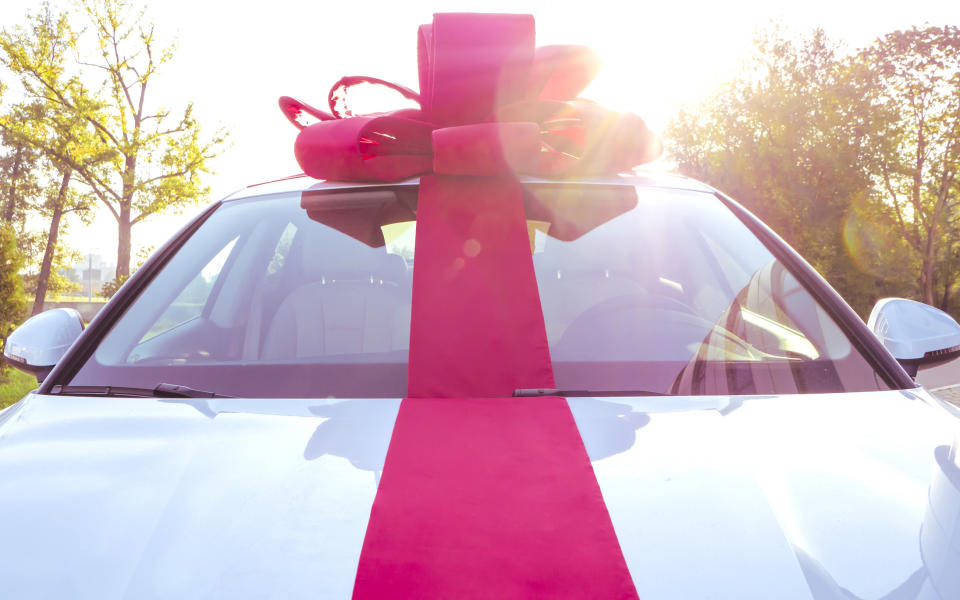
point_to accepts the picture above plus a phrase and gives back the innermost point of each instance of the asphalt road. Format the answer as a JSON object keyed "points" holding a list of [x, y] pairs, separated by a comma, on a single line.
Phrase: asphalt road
{"points": [[942, 380]]}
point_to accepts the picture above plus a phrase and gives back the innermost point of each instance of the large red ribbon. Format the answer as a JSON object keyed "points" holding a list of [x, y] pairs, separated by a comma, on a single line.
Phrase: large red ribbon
{"points": [[476, 325], [482, 495], [489, 498]]}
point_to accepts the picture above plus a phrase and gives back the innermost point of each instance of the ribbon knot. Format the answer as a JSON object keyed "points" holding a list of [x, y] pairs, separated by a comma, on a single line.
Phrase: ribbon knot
{"points": [[486, 149]]}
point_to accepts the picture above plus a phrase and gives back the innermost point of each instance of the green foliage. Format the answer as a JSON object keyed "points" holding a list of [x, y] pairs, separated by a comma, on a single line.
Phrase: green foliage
{"points": [[19, 181], [40, 53], [798, 138], [110, 288], [64, 257], [12, 302], [135, 158], [909, 85]]}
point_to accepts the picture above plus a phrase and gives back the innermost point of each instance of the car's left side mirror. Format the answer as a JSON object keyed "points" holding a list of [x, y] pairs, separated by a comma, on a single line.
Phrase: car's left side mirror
{"points": [[916, 334], [37, 345]]}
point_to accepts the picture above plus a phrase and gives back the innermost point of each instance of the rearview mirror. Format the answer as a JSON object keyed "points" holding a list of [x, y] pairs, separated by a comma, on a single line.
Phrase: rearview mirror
{"points": [[37, 345], [916, 334]]}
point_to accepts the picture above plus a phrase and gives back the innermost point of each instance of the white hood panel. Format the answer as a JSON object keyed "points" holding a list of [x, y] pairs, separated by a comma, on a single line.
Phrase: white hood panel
{"points": [[843, 496], [143, 498], [780, 497]]}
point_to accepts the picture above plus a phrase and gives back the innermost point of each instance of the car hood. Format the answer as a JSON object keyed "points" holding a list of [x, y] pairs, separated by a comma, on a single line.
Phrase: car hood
{"points": [[816, 496]]}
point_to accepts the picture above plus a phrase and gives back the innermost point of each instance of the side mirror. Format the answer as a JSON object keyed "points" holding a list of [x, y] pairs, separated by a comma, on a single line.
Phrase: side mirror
{"points": [[916, 334], [37, 345]]}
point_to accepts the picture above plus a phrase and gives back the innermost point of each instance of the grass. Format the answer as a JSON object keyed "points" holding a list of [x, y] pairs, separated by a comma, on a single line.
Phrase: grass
{"points": [[14, 385]]}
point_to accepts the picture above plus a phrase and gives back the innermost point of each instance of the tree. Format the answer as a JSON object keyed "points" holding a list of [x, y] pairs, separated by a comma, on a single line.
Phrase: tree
{"points": [[155, 159], [18, 181], [58, 282], [11, 285], [910, 85], [46, 127], [110, 288], [781, 139], [61, 200]]}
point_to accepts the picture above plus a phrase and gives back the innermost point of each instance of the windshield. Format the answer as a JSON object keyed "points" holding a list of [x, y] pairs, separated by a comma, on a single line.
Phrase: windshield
{"points": [[308, 295]]}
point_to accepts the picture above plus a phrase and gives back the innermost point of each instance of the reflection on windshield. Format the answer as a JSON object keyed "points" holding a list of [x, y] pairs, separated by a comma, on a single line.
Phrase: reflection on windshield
{"points": [[757, 343], [678, 296]]}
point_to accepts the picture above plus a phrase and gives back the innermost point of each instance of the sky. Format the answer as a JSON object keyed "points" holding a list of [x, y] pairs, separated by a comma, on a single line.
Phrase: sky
{"points": [[234, 60]]}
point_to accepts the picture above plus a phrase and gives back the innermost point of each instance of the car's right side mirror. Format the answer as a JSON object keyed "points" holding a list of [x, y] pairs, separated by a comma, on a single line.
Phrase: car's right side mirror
{"points": [[916, 334]]}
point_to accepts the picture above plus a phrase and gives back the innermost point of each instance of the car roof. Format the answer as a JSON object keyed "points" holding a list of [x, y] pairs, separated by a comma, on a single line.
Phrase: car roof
{"points": [[302, 183]]}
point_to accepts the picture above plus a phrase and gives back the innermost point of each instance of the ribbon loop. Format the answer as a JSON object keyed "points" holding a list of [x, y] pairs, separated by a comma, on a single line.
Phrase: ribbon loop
{"points": [[365, 148], [300, 113], [472, 63], [562, 72], [337, 98]]}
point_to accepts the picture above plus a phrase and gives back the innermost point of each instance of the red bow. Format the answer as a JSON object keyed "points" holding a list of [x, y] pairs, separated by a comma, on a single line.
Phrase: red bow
{"points": [[490, 103]]}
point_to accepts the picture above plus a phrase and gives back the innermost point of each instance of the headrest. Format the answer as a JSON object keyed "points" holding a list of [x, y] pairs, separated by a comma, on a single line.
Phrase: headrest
{"points": [[326, 252]]}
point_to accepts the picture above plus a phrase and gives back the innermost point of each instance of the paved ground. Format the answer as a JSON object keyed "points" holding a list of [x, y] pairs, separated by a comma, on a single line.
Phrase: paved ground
{"points": [[950, 393], [942, 375], [943, 380]]}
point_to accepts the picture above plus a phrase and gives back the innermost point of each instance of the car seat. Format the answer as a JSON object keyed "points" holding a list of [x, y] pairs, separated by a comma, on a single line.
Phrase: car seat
{"points": [[357, 301]]}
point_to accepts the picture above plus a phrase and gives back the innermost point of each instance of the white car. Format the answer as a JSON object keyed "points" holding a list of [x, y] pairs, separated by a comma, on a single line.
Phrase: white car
{"points": [[220, 429]]}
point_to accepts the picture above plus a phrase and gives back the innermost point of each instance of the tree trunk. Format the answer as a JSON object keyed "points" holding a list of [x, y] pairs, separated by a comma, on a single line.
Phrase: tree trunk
{"points": [[123, 223], [43, 279], [945, 299], [10, 208], [929, 264], [123, 242], [926, 280]]}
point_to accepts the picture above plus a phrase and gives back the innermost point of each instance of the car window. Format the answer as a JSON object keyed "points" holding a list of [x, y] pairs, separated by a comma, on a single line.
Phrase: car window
{"points": [[190, 302], [641, 289]]}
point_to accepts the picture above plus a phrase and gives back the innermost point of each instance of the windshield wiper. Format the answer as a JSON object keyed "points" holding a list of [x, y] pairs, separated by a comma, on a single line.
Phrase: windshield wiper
{"points": [[533, 392], [162, 390]]}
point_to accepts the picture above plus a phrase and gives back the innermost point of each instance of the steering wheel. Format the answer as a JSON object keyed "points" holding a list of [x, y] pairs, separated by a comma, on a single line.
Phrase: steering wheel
{"points": [[618, 327]]}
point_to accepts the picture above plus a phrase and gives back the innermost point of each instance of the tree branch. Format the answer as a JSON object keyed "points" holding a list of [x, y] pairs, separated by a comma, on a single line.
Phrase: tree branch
{"points": [[912, 237], [59, 98]]}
